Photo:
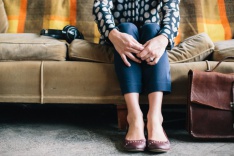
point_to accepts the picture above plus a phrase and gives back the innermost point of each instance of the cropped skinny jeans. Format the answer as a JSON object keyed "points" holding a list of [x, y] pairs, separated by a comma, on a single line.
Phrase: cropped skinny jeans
{"points": [[141, 77]]}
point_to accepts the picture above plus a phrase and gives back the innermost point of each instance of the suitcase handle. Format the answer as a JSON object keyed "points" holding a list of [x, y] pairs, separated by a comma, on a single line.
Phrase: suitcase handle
{"points": [[232, 104], [209, 70]]}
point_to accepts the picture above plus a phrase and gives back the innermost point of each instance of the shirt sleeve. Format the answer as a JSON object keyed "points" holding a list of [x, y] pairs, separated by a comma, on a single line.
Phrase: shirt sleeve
{"points": [[170, 20], [103, 17]]}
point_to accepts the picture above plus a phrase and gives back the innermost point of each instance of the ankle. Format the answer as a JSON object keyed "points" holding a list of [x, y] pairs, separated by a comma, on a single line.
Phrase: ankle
{"points": [[135, 128], [132, 118], [155, 118]]}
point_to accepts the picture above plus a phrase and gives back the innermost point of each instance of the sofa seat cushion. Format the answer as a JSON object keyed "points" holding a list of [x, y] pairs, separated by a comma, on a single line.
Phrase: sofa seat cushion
{"points": [[3, 18], [87, 51], [194, 48], [83, 82], [29, 46], [223, 49]]}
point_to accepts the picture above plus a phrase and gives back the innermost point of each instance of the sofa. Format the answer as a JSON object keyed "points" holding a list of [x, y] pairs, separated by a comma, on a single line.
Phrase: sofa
{"points": [[44, 70]]}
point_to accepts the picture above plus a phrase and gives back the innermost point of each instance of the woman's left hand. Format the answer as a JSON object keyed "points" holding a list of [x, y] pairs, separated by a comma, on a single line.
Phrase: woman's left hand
{"points": [[154, 49]]}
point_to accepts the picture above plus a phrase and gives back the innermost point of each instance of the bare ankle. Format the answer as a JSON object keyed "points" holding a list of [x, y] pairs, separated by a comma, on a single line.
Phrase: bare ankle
{"points": [[155, 118], [134, 117], [135, 128]]}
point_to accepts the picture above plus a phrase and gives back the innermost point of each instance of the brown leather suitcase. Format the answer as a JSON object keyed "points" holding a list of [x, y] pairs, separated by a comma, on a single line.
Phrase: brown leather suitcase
{"points": [[210, 104]]}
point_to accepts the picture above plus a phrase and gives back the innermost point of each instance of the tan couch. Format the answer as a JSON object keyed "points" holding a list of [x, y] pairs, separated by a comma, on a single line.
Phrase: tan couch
{"points": [[37, 69]]}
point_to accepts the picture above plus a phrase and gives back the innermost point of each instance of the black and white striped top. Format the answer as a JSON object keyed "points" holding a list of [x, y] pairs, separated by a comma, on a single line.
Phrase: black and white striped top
{"points": [[109, 13]]}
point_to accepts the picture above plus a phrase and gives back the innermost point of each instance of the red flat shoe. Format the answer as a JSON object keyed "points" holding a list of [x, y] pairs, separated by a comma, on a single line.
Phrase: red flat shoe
{"points": [[158, 146], [135, 145]]}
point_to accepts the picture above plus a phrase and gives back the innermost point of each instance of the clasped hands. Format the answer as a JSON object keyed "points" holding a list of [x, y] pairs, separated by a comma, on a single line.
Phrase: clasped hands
{"points": [[128, 47]]}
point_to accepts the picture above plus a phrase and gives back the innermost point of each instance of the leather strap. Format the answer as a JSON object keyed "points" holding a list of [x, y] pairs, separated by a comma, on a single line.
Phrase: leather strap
{"points": [[209, 70], [42, 82], [232, 104], [208, 65], [233, 95]]}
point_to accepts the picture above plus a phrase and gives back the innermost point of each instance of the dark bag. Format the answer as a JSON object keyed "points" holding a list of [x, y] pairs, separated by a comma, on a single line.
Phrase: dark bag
{"points": [[210, 104]]}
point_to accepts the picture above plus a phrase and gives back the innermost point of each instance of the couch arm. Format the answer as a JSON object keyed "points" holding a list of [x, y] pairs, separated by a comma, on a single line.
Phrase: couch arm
{"points": [[3, 18]]}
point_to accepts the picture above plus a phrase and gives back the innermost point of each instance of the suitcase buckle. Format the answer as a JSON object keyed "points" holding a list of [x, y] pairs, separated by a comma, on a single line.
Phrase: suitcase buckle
{"points": [[232, 105]]}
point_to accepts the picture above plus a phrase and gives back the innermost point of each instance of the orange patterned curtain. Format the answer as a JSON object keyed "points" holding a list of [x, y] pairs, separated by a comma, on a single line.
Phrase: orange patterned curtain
{"points": [[215, 17], [30, 16]]}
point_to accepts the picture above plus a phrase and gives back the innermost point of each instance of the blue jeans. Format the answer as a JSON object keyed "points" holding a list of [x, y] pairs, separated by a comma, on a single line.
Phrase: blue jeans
{"points": [[141, 77]]}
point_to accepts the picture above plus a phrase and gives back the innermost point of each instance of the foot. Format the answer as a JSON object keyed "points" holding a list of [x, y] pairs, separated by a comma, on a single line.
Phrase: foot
{"points": [[135, 129], [157, 138], [135, 138], [155, 129]]}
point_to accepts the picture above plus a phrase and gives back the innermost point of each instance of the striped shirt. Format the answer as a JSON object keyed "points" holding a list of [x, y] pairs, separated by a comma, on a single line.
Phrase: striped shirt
{"points": [[109, 13]]}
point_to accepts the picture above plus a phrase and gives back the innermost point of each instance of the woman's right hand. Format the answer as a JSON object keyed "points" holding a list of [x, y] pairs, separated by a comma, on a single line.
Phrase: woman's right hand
{"points": [[125, 45]]}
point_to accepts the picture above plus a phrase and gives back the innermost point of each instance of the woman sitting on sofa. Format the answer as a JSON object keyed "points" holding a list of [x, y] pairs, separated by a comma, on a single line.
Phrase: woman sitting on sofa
{"points": [[140, 32]]}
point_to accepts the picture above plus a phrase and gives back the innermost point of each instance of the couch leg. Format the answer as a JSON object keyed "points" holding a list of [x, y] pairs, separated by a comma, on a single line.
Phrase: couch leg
{"points": [[122, 116]]}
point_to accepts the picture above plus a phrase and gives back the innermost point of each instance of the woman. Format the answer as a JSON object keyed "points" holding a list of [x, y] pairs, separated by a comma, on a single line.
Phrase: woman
{"points": [[140, 32]]}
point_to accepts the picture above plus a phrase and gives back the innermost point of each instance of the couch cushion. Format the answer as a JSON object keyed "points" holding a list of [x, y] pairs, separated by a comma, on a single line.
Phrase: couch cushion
{"points": [[223, 49], [3, 18], [31, 47], [88, 51], [194, 48]]}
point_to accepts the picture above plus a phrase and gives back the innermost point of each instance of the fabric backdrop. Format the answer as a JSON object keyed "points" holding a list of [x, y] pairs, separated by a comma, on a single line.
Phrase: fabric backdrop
{"points": [[30, 16], [215, 17]]}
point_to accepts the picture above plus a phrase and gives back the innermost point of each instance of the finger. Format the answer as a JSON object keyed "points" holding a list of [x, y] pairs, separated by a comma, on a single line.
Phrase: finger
{"points": [[151, 63], [125, 60], [146, 44], [142, 53], [147, 57], [155, 61], [150, 59], [132, 57], [136, 45], [135, 51]]}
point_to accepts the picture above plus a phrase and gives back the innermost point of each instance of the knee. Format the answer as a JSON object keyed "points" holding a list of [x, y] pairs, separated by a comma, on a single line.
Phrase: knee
{"points": [[149, 31], [151, 27], [127, 27]]}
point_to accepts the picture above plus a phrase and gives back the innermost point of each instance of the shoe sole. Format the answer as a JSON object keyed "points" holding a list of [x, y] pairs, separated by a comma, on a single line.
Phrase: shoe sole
{"points": [[135, 150], [159, 150]]}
